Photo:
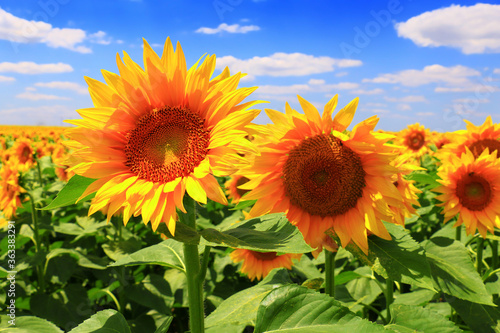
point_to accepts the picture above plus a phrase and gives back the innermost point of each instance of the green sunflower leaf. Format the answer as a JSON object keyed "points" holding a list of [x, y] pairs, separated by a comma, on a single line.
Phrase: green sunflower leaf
{"points": [[297, 309], [241, 308], [402, 259], [71, 192], [103, 321], [479, 317], [26, 324], [453, 270], [169, 253], [268, 233], [421, 319]]}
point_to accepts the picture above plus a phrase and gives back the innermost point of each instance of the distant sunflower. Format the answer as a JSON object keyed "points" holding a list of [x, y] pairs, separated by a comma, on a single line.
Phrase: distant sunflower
{"points": [[322, 178], [258, 264], [414, 140], [24, 152], [232, 185], [471, 189], [159, 132], [10, 190], [476, 139]]}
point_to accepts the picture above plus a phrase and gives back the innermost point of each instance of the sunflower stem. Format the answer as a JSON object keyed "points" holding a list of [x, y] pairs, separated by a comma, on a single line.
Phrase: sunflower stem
{"points": [[458, 233], [38, 246], [494, 253], [193, 270], [479, 254], [389, 297], [330, 273]]}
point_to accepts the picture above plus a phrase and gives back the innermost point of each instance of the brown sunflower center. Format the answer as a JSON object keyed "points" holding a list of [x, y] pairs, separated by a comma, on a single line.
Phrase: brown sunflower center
{"points": [[167, 143], [323, 177], [479, 146], [474, 192], [264, 255], [242, 180], [415, 140]]}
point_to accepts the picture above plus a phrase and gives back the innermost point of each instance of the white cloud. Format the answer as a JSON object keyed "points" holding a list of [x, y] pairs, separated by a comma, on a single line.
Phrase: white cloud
{"points": [[469, 87], [407, 99], [340, 74], [316, 81], [378, 105], [314, 86], [39, 97], [20, 30], [496, 71], [29, 67], [6, 78], [367, 92], [285, 64], [456, 75], [281, 90], [474, 29], [425, 114], [403, 107], [224, 27], [37, 115], [99, 37], [64, 85], [471, 100]]}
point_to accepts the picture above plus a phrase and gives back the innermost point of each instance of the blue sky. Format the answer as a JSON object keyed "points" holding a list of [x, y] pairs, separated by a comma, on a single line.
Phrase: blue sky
{"points": [[432, 62]]}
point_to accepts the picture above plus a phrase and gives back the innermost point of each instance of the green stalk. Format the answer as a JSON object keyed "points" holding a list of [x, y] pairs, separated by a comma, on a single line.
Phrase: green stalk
{"points": [[494, 253], [38, 246], [330, 273], [479, 255], [389, 297], [193, 270], [458, 233]]}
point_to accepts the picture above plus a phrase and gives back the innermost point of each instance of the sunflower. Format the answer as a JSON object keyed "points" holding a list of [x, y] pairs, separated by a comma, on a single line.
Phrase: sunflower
{"points": [[470, 188], [321, 177], [24, 152], [235, 193], [414, 140], [159, 132], [10, 190], [407, 189], [475, 138], [259, 264]]}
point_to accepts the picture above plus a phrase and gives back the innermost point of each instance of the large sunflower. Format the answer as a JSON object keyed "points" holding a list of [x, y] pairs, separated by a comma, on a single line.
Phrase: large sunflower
{"points": [[323, 178], [158, 132], [259, 264], [475, 138], [471, 189]]}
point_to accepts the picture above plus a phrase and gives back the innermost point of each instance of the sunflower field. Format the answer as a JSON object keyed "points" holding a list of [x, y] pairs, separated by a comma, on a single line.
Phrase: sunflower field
{"points": [[165, 209]]}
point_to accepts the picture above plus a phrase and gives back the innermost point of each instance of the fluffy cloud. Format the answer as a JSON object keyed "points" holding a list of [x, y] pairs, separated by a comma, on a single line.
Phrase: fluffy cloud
{"points": [[64, 85], [29, 67], [407, 99], [6, 78], [19, 30], [450, 79], [285, 64], [456, 75], [474, 29], [233, 29], [312, 86], [37, 115], [32, 96], [375, 91]]}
